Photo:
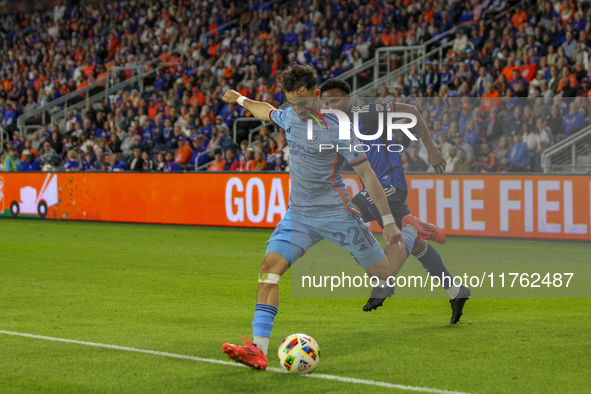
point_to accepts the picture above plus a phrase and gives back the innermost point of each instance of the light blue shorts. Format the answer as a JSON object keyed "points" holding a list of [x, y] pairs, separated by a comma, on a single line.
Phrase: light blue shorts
{"points": [[297, 233]]}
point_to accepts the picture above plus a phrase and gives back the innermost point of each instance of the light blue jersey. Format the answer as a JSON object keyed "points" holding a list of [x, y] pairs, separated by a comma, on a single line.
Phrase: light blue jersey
{"points": [[317, 186], [319, 206]]}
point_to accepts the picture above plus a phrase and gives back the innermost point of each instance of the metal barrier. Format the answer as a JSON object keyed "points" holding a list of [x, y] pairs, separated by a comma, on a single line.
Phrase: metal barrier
{"points": [[105, 85], [258, 129], [139, 78], [3, 137], [206, 152], [571, 155], [353, 74], [371, 88]]}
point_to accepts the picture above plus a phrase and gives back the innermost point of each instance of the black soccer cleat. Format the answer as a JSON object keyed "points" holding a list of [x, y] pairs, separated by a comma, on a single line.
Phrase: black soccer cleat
{"points": [[373, 303], [377, 297], [457, 305]]}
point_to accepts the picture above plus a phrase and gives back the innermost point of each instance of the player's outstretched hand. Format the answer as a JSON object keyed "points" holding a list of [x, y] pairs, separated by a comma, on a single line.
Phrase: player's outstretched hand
{"points": [[231, 96], [437, 161], [392, 234]]}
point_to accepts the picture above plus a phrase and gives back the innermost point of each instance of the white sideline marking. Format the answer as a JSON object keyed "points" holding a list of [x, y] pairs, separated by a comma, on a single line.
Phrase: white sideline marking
{"points": [[232, 364]]}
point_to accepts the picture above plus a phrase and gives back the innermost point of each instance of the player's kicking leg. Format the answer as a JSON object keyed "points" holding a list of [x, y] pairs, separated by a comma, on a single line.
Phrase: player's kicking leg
{"points": [[254, 354], [281, 253]]}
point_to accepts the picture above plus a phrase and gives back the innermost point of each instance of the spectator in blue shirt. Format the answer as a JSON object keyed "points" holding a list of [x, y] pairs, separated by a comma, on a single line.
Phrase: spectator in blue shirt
{"points": [[519, 156], [90, 164], [170, 165], [71, 163], [472, 135], [198, 150], [30, 163], [116, 163], [465, 117], [574, 120]]}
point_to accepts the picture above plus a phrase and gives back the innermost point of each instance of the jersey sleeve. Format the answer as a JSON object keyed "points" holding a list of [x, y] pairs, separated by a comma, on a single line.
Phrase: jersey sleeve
{"points": [[281, 117], [352, 150]]}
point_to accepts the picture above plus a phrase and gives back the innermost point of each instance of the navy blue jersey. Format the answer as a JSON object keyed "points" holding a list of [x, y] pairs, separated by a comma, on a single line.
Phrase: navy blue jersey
{"points": [[385, 164]]}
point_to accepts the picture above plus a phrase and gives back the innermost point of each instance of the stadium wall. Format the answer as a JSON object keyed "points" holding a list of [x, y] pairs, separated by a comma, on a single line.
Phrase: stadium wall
{"points": [[544, 206]]}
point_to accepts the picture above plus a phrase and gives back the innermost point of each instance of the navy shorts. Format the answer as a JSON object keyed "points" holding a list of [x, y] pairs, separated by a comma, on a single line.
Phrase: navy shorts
{"points": [[396, 199]]}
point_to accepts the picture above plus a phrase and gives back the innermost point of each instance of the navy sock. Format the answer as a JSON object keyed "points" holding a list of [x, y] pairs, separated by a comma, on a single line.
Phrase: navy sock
{"points": [[433, 264], [409, 240], [263, 320]]}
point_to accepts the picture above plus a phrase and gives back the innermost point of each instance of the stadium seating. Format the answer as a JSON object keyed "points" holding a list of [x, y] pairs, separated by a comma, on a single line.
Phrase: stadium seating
{"points": [[150, 73]]}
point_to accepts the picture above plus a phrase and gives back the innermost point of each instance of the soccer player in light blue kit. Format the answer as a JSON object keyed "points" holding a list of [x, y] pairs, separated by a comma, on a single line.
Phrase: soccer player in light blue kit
{"points": [[388, 168], [319, 205]]}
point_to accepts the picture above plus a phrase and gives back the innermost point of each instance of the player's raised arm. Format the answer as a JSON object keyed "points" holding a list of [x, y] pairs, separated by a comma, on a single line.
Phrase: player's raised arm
{"points": [[435, 157], [376, 191], [259, 109]]}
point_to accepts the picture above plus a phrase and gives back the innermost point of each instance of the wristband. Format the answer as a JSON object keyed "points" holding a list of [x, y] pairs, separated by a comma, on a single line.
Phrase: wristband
{"points": [[241, 100], [387, 219]]}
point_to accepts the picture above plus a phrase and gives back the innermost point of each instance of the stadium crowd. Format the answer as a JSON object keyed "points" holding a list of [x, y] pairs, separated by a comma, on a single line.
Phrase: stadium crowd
{"points": [[507, 90]]}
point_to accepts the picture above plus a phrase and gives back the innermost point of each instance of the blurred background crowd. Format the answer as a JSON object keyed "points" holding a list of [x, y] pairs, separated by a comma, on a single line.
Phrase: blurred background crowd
{"points": [[511, 85]]}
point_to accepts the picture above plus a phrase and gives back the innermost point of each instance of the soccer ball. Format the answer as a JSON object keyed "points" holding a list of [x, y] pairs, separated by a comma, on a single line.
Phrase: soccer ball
{"points": [[299, 353]]}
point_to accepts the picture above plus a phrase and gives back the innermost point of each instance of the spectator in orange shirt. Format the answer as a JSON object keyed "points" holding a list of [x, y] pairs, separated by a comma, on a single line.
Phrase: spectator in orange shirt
{"points": [[184, 152], [206, 113], [388, 38], [519, 17], [491, 98], [259, 163], [529, 69], [572, 77], [27, 145], [198, 99], [428, 13], [218, 163], [508, 69]]}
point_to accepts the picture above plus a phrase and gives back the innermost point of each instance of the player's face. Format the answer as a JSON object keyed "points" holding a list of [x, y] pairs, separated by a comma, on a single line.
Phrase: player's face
{"points": [[302, 99], [337, 99]]}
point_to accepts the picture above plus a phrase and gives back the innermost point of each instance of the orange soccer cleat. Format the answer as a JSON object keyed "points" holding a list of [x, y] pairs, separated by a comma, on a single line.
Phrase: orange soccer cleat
{"points": [[426, 230], [249, 355]]}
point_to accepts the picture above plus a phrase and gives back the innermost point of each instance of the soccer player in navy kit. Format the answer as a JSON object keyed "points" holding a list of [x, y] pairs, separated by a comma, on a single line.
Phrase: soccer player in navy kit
{"points": [[388, 169]]}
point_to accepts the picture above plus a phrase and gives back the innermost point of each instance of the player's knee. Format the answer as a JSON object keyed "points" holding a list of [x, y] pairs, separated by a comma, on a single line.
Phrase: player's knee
{"points": [[274, 263]]}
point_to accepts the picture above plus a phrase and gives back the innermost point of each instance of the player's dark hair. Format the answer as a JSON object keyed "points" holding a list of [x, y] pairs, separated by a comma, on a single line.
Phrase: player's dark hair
{"points": [[297, 76], [335, 84]]}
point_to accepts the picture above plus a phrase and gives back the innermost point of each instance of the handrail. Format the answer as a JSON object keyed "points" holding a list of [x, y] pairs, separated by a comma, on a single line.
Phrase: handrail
{"points": [[567, 143], [103, 82], [206, 165], [500, 14], [2, 132], [56, 116], [258, 129], [76, 93], [354, 72], [403, 70]]}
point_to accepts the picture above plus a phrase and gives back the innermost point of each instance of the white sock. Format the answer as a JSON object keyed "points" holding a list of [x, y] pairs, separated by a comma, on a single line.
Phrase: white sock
{"points": [[453, 291], [383, 283], [413, 229], [262, 343]]}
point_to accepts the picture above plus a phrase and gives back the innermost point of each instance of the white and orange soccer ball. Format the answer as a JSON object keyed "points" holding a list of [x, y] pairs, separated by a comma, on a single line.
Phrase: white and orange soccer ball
{"points": [[299, 353]]}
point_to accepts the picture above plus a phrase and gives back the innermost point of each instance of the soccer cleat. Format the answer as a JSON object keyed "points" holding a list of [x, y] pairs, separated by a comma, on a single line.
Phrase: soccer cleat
{"points": [[426, 230], [377, 297], [457, 304], [249, 355]]}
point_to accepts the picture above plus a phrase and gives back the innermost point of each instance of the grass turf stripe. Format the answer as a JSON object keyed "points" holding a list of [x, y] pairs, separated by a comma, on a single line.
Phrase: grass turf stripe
{"points": [[233, 364]]}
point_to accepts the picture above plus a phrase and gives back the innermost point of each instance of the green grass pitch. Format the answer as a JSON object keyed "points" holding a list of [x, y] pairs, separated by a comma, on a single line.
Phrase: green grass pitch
{"points": [[186, 290]]}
